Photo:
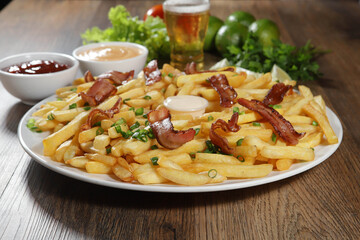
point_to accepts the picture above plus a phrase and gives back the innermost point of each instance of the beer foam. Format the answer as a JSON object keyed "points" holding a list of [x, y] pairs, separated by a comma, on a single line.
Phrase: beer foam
{"points": [[186, 6]]}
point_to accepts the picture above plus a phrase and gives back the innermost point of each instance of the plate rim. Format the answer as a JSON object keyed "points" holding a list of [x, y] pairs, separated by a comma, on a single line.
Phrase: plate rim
{"points": [[227, 185]]}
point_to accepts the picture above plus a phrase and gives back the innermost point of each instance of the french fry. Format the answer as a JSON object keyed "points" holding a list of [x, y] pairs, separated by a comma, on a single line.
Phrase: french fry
{"points": [[88, 135], [134, 147], [97, 167], [199, 78], [284, 164], [278, 152], [78, 162], [323, 122], [186, 88], [122, 173], [258, 83], [108, 160], [59, 153], [215, 158], [235, 171], [67, 115], [147, 174], [133, 93], [182, 177], [165, 163]]}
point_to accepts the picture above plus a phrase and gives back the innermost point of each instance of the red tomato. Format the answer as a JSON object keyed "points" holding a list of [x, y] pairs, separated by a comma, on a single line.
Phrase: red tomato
{"points": [[155, 11]]}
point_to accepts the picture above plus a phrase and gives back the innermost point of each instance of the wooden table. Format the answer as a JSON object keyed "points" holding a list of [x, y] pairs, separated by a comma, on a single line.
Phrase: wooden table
{"points": [[322, 203]]}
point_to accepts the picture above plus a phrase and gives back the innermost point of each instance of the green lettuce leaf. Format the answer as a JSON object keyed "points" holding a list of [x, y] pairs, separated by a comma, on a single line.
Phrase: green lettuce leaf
{"points": [[125, 28]]}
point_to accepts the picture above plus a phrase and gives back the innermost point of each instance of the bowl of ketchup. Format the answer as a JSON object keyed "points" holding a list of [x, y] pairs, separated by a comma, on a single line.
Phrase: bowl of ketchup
{"points": [[35, 76]]}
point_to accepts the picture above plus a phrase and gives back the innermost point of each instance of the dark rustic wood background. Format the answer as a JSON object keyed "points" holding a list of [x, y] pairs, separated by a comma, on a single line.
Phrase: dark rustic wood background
{"points": [[322, 203]]}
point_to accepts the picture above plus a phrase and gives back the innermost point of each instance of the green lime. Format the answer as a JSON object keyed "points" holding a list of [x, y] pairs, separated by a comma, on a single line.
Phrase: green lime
{"points": [[230, 34], [213, 27], [242, 17], [266, 30]]}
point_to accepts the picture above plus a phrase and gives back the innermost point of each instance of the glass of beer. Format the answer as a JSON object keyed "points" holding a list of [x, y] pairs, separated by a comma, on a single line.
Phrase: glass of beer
{"points": [[186, 23]]}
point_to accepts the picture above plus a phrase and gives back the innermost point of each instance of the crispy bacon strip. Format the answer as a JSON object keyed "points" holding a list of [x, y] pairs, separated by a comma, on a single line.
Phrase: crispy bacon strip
{"points": [[276, 94], [191, 69], [160, 123], [119, 78], [152, 73], [97, 115], [230, 126], [88, 77], [98, 92], [283, 127], [227, 93]]}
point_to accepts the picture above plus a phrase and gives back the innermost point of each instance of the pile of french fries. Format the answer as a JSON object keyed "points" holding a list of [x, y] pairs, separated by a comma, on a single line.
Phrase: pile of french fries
{"points": [[104, 150]]}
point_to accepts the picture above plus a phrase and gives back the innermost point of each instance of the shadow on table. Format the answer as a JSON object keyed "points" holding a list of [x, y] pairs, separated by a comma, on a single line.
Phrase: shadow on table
{"points": [[73, 202], [14, 116]]}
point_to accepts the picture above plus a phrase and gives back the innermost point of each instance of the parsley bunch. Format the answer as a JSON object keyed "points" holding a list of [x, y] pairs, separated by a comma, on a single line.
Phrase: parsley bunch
{"points": [[299, 63]]}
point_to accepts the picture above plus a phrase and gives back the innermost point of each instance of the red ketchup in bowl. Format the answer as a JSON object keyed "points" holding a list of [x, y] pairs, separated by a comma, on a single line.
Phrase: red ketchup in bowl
{"points": [[36, 67]]}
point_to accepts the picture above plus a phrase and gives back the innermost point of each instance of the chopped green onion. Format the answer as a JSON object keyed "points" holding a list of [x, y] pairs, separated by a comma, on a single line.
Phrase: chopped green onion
{"points": [[126, 99], [277, 81], [207, 80], [147, 97], [135, 125], [236, 109], [139, 111], [197, 130], [99, 131], [154, 160], [50, 116], [146, 123], [145, 116], [239, 142], [241, 158], [163, 90], [210, 118], [59, 99], [73, 89], [192, 155], [132, 109], [235, 75], [118, 129], [212, 173], [150, 134], [242, 113], [108, 150], [97, 124], [170, 75], [273, 137], [87, 108], [163, 74], [256, 124], [275, 106], [314, 123], [312, 149], [153, 147], [72, 106], [119, 122], [31, 125]]}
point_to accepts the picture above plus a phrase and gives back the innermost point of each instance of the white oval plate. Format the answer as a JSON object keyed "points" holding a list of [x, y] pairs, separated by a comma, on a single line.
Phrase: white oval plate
{"points": [[32, 144]]}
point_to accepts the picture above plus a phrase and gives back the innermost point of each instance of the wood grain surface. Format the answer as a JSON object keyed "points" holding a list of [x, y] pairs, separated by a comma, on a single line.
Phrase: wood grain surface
{"points": [[322, 203]]}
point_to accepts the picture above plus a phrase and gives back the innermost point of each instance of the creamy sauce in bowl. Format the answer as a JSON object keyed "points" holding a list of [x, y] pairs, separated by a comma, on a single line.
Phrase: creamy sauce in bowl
{"points": [[186, 104], [110, 53]]}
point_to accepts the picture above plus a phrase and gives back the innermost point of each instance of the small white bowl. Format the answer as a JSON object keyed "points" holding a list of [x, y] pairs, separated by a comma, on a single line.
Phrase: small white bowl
{"points": [[98, 67], [186, 105], [31, 88]]}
